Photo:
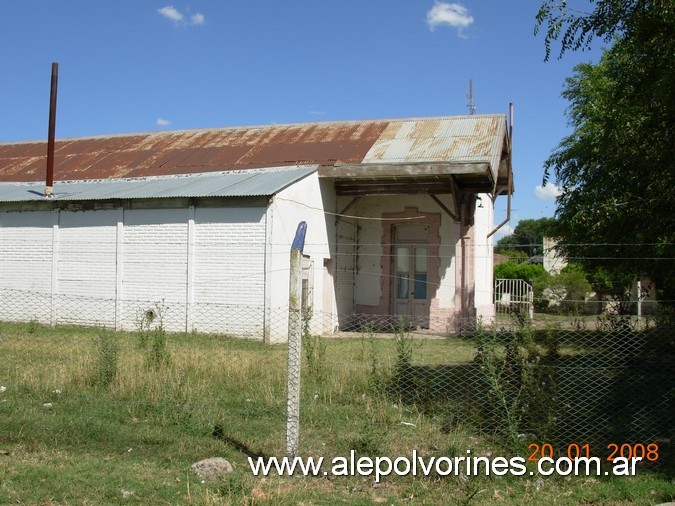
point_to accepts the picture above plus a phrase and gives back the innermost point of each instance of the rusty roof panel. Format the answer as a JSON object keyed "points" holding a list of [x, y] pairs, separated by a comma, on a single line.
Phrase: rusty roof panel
{"points": [[220, 156], [22, 149], [28, 169], [446, 139], [462, 139]]}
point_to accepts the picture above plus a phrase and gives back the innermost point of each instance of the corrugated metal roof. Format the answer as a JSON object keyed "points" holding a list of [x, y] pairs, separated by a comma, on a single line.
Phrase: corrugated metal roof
{"points": [[244, 183], [192, 151], [445, 139], [462, 139]]}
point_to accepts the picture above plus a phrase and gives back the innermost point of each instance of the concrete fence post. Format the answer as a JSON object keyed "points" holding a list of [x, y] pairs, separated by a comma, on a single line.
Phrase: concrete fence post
{"points": [[294, 343]]}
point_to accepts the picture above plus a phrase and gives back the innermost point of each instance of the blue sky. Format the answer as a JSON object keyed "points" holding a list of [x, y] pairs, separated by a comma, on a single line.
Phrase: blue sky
{"points": [[136, 66]]}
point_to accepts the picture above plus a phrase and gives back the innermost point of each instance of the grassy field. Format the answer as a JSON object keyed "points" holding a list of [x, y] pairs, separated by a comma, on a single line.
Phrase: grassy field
{"points": [[93, 417]]}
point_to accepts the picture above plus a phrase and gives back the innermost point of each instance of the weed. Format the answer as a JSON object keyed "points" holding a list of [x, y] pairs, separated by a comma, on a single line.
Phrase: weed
{"points": [[314, 347], [576, 314], [370, 440], [232, 488], [158, 354], [615, 322], [107, 357], [521, 382], [403, 380], [144, 319], [377, 377], [33, 326], [403, 346], [152, 335]]}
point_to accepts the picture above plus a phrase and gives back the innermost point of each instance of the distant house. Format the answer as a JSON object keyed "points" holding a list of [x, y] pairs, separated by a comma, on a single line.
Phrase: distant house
{"points": [[642, 291], [552, 260], [202, 221]]}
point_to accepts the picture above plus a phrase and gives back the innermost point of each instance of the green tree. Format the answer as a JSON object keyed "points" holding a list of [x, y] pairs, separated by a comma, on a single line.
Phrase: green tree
{"points": [[616, 168], [627, 19], [514, 255], [527, 237]]}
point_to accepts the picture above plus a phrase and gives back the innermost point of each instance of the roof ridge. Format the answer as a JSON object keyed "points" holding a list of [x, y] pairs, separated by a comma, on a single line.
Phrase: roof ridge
{"points": [[251, 127]]}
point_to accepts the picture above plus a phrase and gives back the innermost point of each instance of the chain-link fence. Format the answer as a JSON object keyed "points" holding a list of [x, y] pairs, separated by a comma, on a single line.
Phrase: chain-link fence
{"points": [[559, 379], [585, 379]]}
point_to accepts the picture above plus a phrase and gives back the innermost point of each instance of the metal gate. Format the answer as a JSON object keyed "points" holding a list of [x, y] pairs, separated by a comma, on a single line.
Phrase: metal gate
{"points": [[514, 296]]}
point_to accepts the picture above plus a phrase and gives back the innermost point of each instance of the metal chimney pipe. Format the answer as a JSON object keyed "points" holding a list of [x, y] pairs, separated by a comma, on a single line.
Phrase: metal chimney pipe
{"points": [[49, 185]]}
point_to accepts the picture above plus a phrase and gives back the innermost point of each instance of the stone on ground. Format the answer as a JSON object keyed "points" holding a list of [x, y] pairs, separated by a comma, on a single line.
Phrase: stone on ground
{"points": [[211, 469]]}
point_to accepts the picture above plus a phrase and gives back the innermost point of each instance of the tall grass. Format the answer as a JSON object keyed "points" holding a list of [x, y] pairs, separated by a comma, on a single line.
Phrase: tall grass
{"points": [[107, 357], [138, 428]]}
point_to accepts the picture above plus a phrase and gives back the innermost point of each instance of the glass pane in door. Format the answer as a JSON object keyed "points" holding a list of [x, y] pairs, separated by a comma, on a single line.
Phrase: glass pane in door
{"points": [[402, 272], [420, 273]]}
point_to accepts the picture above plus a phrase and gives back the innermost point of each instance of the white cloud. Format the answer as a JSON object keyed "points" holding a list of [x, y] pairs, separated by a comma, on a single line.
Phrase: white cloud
{"points": [[170, 12], [547, 192], [173, 14], [317, 113], [162, 122], [454, 15], [197, 19]]}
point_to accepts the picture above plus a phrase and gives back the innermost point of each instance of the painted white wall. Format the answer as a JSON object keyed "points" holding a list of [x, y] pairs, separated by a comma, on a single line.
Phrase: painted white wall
{"points": [[26, 265], [86, 268], [303, 201], [228, 279], [155, 255], [106, 266], [553, 262], [154, 264], [447, 252], [483, 258]]}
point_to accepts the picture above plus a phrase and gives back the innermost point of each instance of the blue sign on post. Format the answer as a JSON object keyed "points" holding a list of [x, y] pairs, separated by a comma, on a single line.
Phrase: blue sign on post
{"points": [[299, 241]]}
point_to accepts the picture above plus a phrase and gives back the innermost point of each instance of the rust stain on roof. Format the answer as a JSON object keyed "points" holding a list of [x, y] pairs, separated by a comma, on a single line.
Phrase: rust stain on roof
{"points": [[189, 152], [215, 150]]}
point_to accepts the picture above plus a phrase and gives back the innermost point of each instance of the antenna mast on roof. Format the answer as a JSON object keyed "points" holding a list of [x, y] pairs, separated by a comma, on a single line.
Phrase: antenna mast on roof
{"points": [[471, 105]]}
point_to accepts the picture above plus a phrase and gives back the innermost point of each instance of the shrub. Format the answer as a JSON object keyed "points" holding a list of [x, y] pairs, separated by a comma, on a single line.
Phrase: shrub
{"points": [[513, 270], [568, 290]]}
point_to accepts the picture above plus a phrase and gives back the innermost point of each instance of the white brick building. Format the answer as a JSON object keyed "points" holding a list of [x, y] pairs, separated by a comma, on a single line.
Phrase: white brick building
{"points": [[202, 222]]}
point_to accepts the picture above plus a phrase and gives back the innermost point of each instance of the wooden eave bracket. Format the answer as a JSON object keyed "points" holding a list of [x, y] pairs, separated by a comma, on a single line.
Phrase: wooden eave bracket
{"points": [[443, 206], [346, 208]]}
